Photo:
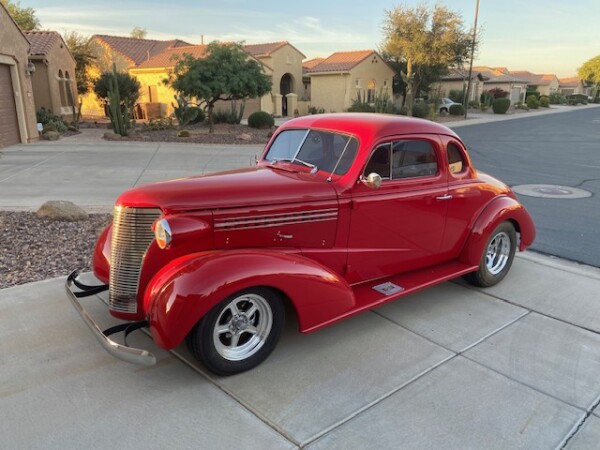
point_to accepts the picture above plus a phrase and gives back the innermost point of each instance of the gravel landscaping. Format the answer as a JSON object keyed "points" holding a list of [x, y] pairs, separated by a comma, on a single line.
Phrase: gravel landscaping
{"points": [[35, 248]]}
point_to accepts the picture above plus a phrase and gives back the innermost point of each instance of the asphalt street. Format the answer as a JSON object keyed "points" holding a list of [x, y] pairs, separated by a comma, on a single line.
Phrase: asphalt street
{"points": [[560, 149]]}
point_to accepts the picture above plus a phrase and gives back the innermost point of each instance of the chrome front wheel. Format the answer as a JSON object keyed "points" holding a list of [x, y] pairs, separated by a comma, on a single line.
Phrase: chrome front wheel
{"points": [[243, 327], [240, 332]]}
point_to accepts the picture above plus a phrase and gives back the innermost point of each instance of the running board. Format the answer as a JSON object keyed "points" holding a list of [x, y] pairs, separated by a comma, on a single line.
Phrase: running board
{"points": [[375, 293]]}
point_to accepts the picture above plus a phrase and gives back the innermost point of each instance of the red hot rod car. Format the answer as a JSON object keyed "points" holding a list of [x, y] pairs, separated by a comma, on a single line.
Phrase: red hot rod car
{"points": [[342, 213]]}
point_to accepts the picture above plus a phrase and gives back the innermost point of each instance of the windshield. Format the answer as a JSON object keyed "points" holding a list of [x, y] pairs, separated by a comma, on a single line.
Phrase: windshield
{"points": [[319, 150]]}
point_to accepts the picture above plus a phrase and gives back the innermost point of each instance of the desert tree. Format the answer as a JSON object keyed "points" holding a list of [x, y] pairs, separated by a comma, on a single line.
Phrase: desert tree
{"points": [[428, 40], [226, 72]]}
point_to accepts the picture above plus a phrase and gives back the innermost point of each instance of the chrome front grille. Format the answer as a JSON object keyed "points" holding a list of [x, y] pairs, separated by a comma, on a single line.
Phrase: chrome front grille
{"points": [[131, 236]]}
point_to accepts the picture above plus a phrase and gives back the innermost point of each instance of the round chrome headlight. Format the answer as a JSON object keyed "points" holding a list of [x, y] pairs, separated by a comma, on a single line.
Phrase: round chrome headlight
{"points": [[162, 233]]}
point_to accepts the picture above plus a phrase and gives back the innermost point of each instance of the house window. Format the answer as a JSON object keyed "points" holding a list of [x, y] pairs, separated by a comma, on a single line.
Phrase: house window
{"points": [[357, 83], [371, 91], [61, 89]]}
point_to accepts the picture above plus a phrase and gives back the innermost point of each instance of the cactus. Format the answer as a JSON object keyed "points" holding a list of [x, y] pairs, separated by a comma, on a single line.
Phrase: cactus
{"points": [[183, 112], [118, 112]]}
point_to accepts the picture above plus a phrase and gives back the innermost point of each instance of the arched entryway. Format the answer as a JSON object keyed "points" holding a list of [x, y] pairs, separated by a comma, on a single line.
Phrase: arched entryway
{"points": [[286, 86]]}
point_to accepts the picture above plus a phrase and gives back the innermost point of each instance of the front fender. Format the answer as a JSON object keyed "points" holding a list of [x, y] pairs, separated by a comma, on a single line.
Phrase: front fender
{"points": [[499, 210], [187, 288]]}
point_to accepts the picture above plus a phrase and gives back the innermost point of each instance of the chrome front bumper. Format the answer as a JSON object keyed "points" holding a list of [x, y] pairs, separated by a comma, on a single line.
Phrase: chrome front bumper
{"points": [[123, 352]]}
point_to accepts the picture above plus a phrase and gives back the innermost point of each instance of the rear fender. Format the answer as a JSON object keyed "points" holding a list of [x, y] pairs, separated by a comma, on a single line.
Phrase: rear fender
{"points": [[181, 293], [499, 210]]}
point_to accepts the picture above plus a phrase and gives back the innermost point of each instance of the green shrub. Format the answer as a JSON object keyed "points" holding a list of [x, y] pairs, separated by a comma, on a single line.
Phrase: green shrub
{"points": [[315, 110], [556, 98], [260, 119], [402, 110], [534, 93], [457, 110], [575, 99], [486, 99], [183, 111], [200, 116], [420, 110], [158, 124], [498, 93], [183, 133], [545, 101], [532, 102], [222, 116], [456, 95], [50, 121], [501, 105], [474, 104]]}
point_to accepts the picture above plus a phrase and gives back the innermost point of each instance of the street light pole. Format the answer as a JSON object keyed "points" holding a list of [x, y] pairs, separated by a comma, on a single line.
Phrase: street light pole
{"points": [[472, 56]]}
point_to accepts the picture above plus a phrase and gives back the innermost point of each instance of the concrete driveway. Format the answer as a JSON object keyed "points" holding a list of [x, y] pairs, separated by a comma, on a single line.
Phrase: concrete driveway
{"points": [[453, 367]]}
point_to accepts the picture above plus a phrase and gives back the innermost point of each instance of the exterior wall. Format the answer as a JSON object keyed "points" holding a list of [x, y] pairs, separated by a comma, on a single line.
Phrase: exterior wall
{"points": [[547, 89], [511, 88], [331, 92], [153, 89], [335, 92], [47, 84], [41, 87], [371, 69], [14, 49], [285, 60]]}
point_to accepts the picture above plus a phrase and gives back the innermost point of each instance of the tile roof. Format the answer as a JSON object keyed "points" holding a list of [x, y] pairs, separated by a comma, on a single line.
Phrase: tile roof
{"points": [[42, 41], [169, 56], [534, 78], [570, 81], [341, 61], [139, 50], [266, 49], [458, 74], [312, 62], [497, 76]]}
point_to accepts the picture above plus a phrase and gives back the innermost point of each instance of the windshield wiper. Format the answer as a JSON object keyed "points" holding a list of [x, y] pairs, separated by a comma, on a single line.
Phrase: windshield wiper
{"points": [[312, 167]]}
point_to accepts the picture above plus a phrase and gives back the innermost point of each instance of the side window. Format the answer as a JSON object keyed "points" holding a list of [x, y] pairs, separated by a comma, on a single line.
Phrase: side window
{"points": [[456, 161], [412, 158], [380, 162]]}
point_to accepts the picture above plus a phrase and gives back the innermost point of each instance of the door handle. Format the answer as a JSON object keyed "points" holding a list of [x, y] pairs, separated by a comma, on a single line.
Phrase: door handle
{"points": [[444, 197]]}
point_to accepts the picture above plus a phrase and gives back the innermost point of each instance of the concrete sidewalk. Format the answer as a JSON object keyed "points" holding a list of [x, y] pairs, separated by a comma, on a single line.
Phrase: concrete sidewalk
{"points": [[515, 366]]}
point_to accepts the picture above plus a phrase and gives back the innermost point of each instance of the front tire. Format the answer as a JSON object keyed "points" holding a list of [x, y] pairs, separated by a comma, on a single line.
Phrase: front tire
{"points": [[497, 257], [240, 332]]}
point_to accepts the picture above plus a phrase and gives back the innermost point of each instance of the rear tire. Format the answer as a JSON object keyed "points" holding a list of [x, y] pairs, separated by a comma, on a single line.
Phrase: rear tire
{"points": [[497, 257], [240, 332]]}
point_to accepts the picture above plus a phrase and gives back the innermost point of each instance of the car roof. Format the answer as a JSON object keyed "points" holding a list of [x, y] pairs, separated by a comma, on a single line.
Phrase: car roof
{"points": [[368, 125]]}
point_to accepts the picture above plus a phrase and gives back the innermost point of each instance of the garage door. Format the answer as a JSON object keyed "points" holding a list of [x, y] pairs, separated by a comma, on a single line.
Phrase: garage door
{"points": [[9, 125]]}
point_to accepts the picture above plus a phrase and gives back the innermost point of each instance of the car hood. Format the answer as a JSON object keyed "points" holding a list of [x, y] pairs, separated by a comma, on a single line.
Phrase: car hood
{"points": [[253, 186]]}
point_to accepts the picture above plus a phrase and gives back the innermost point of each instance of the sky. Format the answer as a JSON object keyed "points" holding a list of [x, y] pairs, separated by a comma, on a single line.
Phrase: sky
{"points": [[542, 36]]}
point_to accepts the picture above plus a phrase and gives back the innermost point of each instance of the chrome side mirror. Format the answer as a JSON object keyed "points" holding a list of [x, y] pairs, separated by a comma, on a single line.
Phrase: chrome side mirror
{"points": [[373, 180]]}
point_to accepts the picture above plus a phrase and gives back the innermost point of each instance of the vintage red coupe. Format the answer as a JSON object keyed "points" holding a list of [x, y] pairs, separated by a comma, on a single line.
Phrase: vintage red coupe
{"points": [[342, 213]]}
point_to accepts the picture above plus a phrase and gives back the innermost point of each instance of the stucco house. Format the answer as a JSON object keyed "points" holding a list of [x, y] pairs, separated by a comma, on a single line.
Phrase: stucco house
{"points": [[152, 73], [498, 77], [545, 83], [17, 108], [338, 80], [285, 61], [574, 85], [457, 79], [125, 53], [54, 84]]}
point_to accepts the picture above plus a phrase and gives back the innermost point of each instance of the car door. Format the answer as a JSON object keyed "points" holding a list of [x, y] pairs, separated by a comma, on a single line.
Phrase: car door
{"points": [[400, 225]]}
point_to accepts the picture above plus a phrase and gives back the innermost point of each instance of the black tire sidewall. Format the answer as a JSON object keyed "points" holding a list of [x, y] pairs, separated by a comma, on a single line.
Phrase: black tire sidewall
{"points": [[487, 279], [201, 341]]}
